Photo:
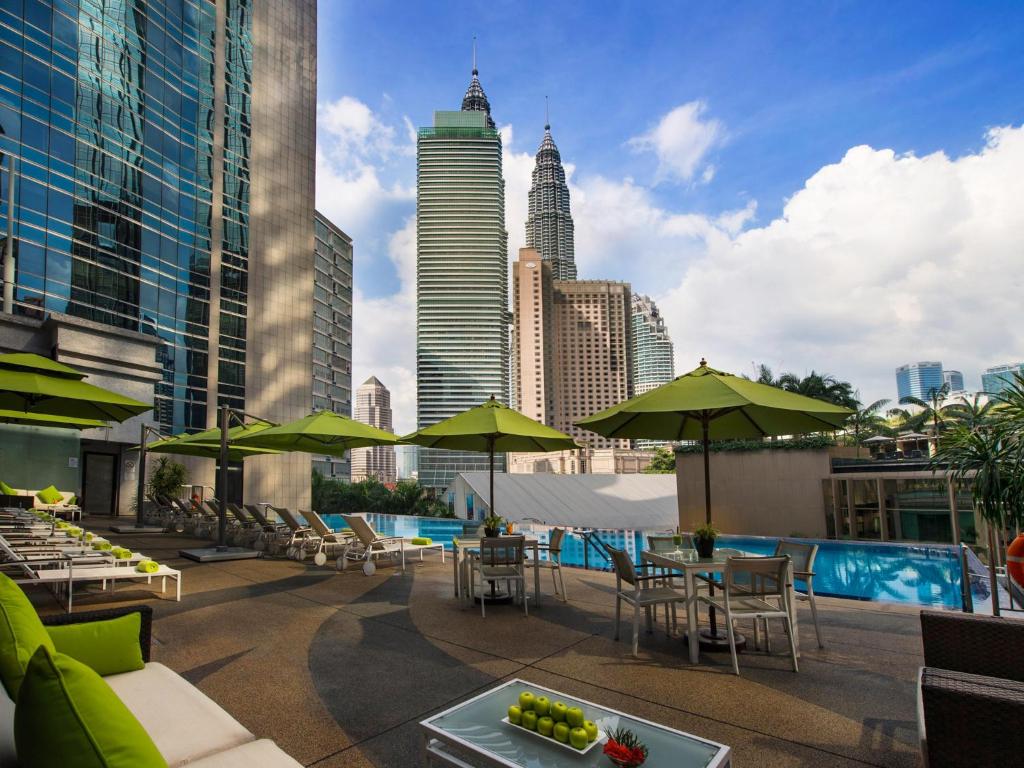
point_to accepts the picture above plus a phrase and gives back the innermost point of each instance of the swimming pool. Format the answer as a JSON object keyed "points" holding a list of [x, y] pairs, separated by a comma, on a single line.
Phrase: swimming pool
{"points": [[916, 574]]}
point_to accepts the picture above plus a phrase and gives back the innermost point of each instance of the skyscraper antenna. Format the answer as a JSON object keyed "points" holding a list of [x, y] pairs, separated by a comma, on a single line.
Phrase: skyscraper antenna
{"points": [[474, 55], [547, 116]]}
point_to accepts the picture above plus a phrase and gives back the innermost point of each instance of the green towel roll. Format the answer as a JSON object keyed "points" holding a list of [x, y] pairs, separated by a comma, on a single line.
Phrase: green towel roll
{"points": [[102, 546], [147, 566], [422, 541], [120, 553], [90, 536]]}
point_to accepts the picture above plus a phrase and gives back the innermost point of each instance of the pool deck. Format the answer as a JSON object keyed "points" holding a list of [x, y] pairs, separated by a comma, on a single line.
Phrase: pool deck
{"points": [[339, 668]]}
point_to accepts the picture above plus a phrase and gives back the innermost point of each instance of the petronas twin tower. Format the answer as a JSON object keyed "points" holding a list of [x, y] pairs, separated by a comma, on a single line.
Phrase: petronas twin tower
{"points": [[549, 226]]}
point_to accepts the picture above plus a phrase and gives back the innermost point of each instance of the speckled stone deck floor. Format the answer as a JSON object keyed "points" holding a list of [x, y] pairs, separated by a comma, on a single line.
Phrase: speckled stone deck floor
{"points": [[339, 668]]}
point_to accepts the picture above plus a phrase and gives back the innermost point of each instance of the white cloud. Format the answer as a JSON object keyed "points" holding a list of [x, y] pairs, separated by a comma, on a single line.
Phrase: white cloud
{"points": [[681, 140], [517, 170]]}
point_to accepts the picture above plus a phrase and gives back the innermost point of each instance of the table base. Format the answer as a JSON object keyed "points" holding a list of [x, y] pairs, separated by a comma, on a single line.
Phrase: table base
{"points": [[719, 642]]}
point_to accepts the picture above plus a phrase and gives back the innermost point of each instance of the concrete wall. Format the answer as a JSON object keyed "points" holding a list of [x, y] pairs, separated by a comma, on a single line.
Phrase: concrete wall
{"points": [[32, 458], [762, 493]]}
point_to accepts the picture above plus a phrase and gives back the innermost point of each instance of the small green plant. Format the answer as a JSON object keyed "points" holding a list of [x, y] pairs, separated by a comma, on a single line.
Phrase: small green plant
{"points": [[167, 477], [493, 522], [706, 531]]}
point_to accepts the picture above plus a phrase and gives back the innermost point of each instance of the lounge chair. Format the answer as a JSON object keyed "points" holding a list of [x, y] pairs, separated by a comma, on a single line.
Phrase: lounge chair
{"points": [[269, 532], [297, 534], [369, 546], [329, 541]]}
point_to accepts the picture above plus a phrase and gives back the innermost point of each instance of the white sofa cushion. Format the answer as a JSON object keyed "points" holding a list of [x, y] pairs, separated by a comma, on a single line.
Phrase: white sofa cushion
{"points": [[183, 722], [256, 754], [8, 757]]}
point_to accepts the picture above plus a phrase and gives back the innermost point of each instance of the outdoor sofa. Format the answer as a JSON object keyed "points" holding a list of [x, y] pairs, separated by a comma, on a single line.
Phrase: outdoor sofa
{"points": [[971, 690], [60, 503], [186, 726]]}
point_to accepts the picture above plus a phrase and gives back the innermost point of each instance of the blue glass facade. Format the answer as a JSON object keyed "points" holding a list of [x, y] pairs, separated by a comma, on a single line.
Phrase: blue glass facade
{"points": [[109, 106], [918, 380]]}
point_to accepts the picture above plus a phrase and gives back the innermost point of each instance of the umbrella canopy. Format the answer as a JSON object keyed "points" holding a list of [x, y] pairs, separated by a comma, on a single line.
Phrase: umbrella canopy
{"points": [[206, 444], [46, 420], [878, 439], [706, 405], [914, 436], [491, 427], [35, 384], [323, 432]]}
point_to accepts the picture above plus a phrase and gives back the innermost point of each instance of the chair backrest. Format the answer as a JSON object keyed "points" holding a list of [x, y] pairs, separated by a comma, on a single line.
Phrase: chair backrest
{"points": [[743, 571], [502, 550], [555, 540], [257, 514], [288, 518], [801, 554], [240, 514], [362, 529], [668, 543], [623, 565], [317, 523]]}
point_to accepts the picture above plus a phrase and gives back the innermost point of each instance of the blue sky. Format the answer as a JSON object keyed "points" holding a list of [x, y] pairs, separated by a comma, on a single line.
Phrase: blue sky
{"points": [[704, 120]]}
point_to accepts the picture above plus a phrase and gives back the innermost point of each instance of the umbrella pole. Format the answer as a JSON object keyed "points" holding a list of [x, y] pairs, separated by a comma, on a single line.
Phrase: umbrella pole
{"points": [[490, 442], [222, 493], [140, 488], [707, 473]]}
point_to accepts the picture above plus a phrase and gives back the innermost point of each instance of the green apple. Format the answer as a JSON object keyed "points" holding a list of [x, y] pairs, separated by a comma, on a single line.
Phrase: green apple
{"points": [[526, 700], [545, 726], [578, 738], [574, 717], [590, 727], [529, 720], [541, 705], [515, 715], [562, 732], [558, 710]]}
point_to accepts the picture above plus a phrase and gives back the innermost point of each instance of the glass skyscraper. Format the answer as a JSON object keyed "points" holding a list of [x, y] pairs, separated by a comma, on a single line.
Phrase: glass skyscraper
{"points": [[138, 174], [998, 378], [462, 334], [549, 226], [918, 380]]}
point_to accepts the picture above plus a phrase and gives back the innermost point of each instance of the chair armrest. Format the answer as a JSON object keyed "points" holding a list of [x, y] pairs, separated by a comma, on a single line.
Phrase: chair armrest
{"points": [[979, 645], [145, 614]]}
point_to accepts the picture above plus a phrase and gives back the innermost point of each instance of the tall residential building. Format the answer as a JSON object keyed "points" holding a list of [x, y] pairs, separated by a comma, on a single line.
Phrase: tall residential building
{"points": [[332, 332], [164, 185], [653, 358], [574, 353], [955, 380], [373, 407], [549, 226], [462, 339], [918, 380], [405, 462], [996, 379]]}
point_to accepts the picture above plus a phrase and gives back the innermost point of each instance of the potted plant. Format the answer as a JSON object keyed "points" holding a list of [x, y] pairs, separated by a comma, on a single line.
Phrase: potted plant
{"points": [[492, 525], [624, 749], [704, 539]]}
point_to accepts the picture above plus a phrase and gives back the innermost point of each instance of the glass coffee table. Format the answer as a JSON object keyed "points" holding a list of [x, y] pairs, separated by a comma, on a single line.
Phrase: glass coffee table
{"points": [[472, 734]]}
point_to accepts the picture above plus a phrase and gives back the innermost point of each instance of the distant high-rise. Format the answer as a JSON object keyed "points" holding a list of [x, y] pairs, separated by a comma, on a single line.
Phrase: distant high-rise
{"points": [[996, 379], [373, 407], [955, 380], [549, 226], [653, 359], [573, 347], [332, 332], [918, 380], [462, 339]]}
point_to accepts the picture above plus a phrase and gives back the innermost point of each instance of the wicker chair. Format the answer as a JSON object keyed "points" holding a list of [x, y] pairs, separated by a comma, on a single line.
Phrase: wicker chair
{"points": [[970, 692]]}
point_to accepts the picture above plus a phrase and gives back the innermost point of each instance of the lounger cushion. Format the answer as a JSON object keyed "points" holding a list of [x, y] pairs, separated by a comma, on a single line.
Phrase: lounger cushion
{"points": [[21, 632], [107, 647], [66, 715], [263, 753], [183, 722], [6, 490], [50, 495]]}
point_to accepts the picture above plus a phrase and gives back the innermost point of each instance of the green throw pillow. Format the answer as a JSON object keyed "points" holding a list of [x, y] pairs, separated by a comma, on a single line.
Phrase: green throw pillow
{"points": [[50, 496], [107, 647], [72, 500], [67, 715], [6, 490], [21, 632]]}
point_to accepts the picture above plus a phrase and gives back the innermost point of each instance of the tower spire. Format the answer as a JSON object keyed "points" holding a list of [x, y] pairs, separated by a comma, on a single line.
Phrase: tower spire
{"points": [[474, 56], [547, 116]]}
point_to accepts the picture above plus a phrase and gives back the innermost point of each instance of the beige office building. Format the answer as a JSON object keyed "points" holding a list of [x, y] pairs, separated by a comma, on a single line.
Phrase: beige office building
{"points": [[373, 407], [573, 348]]}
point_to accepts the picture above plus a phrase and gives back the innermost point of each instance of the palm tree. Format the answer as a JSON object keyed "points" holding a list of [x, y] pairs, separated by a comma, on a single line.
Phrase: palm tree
{"points": [[822, 386], [970, 413], [931, 409], [867, 419]]}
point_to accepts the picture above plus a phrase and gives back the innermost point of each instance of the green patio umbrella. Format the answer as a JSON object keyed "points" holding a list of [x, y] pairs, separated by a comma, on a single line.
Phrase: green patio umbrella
{"points": [[706, 405], [35, 384], [322, 432], [181, 445], [46, 420], [491, 427]]}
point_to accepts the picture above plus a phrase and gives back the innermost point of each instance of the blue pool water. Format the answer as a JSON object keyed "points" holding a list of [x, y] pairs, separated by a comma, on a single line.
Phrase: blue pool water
{"points": [[918, 574]]}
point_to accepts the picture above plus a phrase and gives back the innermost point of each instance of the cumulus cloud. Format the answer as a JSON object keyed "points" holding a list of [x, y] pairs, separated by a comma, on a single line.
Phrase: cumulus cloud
{"points": [[681, 140]]}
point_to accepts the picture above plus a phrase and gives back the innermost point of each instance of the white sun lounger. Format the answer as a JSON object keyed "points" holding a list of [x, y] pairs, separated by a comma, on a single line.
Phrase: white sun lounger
{"points": [[372, 545]]}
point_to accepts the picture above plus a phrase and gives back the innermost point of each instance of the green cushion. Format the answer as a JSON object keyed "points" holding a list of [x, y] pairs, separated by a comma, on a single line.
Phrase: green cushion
{"points": [[72, 500], [6, 490], [21, 632], [422, 541], [67, 715], [50, 496], [107, 647]]}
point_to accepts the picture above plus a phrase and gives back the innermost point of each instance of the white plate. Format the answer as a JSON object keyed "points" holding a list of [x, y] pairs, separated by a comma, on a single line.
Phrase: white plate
{"points": [[601, 736]]}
